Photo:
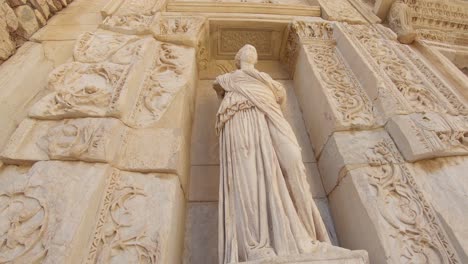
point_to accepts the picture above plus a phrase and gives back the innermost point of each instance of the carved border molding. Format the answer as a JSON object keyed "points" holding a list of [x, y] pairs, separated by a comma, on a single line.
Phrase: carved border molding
{"points": [[402, 205]]}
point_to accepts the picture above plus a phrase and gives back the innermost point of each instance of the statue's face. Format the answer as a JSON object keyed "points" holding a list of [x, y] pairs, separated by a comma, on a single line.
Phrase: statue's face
{"points": [[247, 55]]}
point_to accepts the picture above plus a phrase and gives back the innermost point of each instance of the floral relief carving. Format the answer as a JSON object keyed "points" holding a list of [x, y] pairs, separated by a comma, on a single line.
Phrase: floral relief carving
{"points": [[143, 7], [352, 104], [233, 40], [447, 17], [23, 223], [302, 32], [128, 24], [341, 11], [410, 86], [161, 85], [78, 139], [400, 19], [81, 90], [456, 104], [121, 233], [92, 48], [415, 232]]}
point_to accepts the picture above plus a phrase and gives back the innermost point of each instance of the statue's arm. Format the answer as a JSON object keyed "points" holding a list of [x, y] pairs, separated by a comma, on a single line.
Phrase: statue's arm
{"points": [[219, 89], [280, 92]]}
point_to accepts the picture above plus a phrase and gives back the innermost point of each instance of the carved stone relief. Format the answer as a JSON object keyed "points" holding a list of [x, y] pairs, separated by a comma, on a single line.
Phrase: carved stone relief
{"points": [[400, 20], [417, 92], [304, 32], [45, 213], [351, 104], [413, 228], [398, 217], [82, 90], [183, 30], [341, 10], [128, 24], [96, 140], [421, 136], [133, 7], [139, 220]]}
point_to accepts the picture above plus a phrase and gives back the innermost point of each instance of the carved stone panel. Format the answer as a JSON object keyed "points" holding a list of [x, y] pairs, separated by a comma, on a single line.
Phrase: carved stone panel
{"points": [[376, 195], [128, 24], [48, 213], [97, 140], [341, 10], [407, 83], [132, 7], [183, 30], [337, 100], [228, 36], [429, 135], [140, 221]]}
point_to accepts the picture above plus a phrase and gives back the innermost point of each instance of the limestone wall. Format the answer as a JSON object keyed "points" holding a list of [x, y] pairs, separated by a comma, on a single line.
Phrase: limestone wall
{"points": [[108, 146]]}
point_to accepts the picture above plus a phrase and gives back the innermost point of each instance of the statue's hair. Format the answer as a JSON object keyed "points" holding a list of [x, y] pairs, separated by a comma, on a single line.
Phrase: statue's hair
{"points": [[248, 53]]}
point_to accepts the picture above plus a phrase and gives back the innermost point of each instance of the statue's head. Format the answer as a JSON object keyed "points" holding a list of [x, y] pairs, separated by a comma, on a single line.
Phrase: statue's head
{"points": [[247, 55]]}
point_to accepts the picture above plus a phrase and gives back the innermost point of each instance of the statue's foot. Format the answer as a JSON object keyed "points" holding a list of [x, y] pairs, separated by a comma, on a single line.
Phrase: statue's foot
{"points": [[261, 253]]}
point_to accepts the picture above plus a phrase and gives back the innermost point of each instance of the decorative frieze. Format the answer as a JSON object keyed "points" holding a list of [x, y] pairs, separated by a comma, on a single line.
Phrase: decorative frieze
{"points": [[104, 140], [133, 24], [413, 228], [374, 182], [350, 103], [304, 32], [47, 212], [406, 80], [140, 220], [182, 30], [400, 20], [341, 10], [429, 135], [133, 7]]}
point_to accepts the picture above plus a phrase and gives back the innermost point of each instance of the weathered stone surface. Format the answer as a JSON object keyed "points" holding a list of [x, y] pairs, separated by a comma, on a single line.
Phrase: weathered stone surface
{"points": [[27, 21], [377, 199], [141, 220], [54, 205], [422, 136], [8, 16], [30, 69], [97, 140], [445, 186], [337, 101]]}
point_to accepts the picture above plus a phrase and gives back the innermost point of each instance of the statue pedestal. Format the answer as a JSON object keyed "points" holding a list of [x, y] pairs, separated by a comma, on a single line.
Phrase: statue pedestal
{"points": [[325, 254]]}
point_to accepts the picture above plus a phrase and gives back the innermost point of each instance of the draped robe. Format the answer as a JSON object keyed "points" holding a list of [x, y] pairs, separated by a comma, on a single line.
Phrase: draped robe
{"points": [[265, 206]]}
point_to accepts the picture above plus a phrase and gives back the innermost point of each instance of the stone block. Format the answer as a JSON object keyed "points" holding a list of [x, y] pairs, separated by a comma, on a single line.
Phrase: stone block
{"points": [[48, 213], [345, 151], [104, 140], [201, 225], [329, 93], [22, 77], [429, 135], [378, 206], [444, 184], [141, 220], [27, 21]]}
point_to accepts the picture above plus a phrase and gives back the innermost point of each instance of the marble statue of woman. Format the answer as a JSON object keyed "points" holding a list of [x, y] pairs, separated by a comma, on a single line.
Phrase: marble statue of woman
{"points": [[265, 206]]}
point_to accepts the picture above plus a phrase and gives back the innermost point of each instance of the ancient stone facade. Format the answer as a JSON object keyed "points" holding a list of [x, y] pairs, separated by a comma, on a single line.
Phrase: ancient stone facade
{"points": [[108, 146]]}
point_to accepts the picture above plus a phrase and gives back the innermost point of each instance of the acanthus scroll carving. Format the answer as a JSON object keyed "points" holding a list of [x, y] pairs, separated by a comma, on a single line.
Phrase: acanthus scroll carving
{"points": [[23, 223], [411, 87], [415, 231], [400, 19], [351, 101], [121, 233], [81, 90], [303, 32]]}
